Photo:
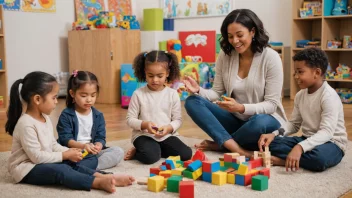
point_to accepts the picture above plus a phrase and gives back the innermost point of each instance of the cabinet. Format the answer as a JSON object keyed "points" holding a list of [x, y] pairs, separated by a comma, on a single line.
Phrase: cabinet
{"points": [[325, 27], [102, 52], [3, 67]]}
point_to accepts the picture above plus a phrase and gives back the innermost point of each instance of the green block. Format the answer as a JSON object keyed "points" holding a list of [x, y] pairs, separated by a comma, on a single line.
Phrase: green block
{"points": [[228, 164], [188, 174], [163, 47], [260, 182], [223, 168], [153, 19], [178, 161], [173, 183]]}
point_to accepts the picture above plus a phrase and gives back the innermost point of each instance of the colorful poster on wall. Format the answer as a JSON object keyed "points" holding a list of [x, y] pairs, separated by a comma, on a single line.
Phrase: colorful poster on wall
{"points": [[199, 45], [195, 8], [120, 8], [38, 5], [13, 5], [88, 9]]}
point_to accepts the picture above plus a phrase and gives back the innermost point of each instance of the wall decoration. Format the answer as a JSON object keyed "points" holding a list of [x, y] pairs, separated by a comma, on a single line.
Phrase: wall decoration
{"points": [[195, 8], [88, 9], [38, 5], [13, 5], [120, 7], [199, 44]]}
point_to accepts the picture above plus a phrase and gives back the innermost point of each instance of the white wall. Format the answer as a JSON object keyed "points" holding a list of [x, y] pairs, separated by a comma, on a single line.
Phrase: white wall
{"points": [[37, 41], [275, 14]]}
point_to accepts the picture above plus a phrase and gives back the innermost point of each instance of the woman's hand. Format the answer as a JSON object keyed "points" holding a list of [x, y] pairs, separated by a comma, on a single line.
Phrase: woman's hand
{"points": [[231, 105], [265, 140], [292, 159], [191, 84]]}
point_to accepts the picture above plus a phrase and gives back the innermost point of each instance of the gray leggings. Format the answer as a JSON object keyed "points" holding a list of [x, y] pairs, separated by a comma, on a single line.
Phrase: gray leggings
{"points": [[109, 157]]}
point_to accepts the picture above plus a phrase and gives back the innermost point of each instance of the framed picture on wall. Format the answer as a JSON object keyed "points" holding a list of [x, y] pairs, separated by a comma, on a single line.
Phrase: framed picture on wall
{"points": [[195, 8]]}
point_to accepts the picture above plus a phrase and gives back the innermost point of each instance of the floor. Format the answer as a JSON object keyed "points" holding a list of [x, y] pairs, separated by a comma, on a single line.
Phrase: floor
{"points": [[117, 129]]}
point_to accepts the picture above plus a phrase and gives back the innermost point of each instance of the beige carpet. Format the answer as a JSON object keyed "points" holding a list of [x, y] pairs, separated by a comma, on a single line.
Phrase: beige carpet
{"points": [[331, 183]]}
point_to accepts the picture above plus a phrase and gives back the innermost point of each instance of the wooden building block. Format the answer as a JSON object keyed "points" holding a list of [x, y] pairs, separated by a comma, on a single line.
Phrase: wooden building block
{"points": [[177, 171], [194, 165], [219, 178], [265, 171], [186, 189], [165, 174], [154, 171], [211, 166], [260, 183], [243, 169], [186, 163], [229, 156], [231, 178], [171, 163], [206, 177], [173, 183], [156, 184]]}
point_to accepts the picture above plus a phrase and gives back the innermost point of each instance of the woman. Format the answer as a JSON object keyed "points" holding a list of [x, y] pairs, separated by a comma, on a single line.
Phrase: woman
{"points": [[251, 75]]}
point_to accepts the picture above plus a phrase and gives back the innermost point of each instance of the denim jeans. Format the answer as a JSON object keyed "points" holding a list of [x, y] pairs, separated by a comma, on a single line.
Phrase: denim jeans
{"points": [[222, 125], [68, 174], [319, 159]]}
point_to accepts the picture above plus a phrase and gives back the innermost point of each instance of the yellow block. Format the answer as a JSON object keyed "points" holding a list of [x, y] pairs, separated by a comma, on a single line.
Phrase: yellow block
{"points": [[174, 158], [196, 174], [156, 183], [178, 165], [219, 178], [222, 163], [231, 178], [166, 172], [177, 171], [242, 169]]}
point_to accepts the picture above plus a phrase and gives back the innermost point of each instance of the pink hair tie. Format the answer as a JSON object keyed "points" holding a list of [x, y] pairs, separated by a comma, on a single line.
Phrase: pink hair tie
{"points": [[74, 73]]}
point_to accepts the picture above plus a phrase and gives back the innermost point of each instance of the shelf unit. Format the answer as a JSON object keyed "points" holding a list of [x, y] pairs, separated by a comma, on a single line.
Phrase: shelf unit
{"points": [[3, 71], [326, 28]]}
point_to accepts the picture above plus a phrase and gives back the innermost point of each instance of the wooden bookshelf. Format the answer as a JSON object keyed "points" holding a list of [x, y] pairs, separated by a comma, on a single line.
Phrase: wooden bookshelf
{"points": [[3, 71], [326, 28]]}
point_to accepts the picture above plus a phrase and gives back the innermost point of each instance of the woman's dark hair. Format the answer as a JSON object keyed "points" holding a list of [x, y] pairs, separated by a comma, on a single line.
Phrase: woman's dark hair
{"points": [[314, 58], [34, 83], [146, 58], [250, 20], [75, 81]]}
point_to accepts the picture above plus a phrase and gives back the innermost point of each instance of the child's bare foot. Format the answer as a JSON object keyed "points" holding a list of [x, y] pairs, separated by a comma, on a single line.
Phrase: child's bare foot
{"points": [[207, 145], [277, 161], [105, 183], [123, 180], [130, 154]]}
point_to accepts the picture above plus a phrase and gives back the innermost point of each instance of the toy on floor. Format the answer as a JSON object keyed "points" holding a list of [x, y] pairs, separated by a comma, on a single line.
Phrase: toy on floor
{"points": [[231, 169]]}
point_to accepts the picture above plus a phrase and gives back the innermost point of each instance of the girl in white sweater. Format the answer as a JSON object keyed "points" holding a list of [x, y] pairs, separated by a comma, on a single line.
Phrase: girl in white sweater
{"points": [[154, 112], [36, 158]]}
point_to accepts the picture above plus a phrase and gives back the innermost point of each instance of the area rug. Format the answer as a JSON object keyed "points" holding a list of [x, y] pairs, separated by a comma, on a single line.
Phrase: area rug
{"points": [[331, 183]]}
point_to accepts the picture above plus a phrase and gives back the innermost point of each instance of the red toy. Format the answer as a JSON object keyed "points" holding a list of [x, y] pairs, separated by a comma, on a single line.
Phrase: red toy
{"points": [[186, 189], [199, 155]]}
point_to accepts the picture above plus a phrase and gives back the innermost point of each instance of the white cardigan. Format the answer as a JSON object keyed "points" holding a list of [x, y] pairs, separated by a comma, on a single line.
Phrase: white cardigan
{"points": [[264, 83]]}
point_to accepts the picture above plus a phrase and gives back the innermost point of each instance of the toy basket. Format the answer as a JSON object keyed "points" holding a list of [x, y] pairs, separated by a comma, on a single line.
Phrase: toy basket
{"points": [[345, 95]]}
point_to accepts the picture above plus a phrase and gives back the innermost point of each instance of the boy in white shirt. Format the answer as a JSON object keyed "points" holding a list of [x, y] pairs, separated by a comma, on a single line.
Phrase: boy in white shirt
{"points": [[319, 112]]}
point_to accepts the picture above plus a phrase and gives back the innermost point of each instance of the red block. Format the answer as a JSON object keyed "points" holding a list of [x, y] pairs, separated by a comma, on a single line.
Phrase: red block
{"points": [[227, 158], [186, 163], [206, 166], [155, 171], [247, 179], [256, 163], [199, 155], [266, 172], [168, 166], [186, 189]]}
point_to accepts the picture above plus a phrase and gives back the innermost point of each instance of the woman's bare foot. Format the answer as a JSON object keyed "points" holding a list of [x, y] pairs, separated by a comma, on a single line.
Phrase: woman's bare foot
{"points": [[105, 183], [277, 161], [207, 145], [130, 154], [123, 180]]}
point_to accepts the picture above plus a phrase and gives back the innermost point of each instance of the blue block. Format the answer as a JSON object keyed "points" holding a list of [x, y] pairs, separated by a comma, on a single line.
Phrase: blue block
{"points": [[239, 180], [151, 175], [168, 24], [163, 168], [171, 163], [194, 165], [235, 166], [206, 177], [247, 159], [245, 163], [215, 167]]}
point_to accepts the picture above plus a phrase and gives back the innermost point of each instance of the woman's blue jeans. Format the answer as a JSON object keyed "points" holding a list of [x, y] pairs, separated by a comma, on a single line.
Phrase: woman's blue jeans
{"points": [[222, 125]]}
